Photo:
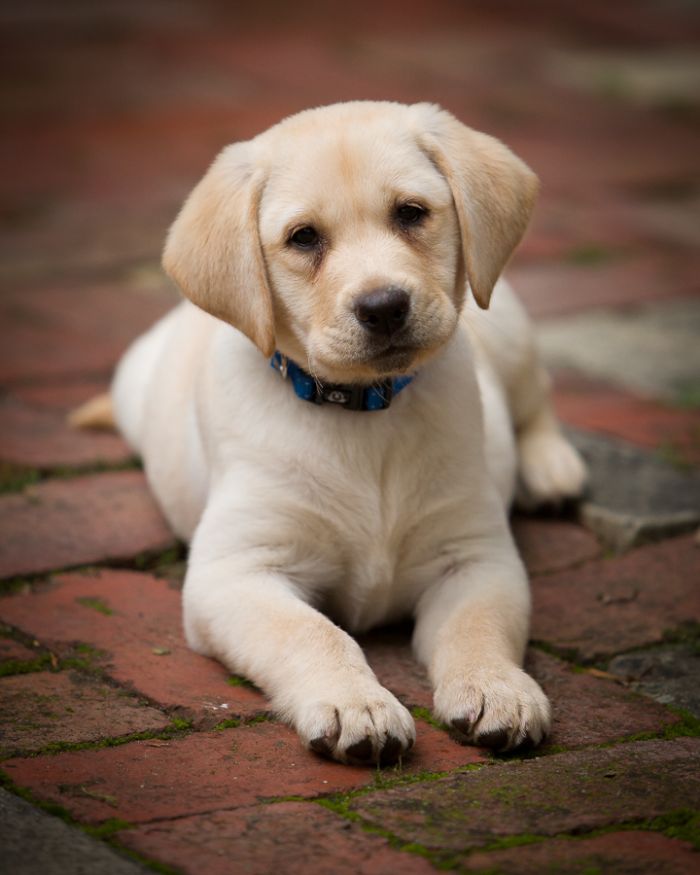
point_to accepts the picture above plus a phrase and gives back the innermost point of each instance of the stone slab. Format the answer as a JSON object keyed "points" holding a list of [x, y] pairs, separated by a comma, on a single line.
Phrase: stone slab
{"points": [[33, 843], [616, 604], [588, 709], [43, 708], [294, 838], [670, 674], [564, 793], [77, 521], [634, 497], [651, 350]]}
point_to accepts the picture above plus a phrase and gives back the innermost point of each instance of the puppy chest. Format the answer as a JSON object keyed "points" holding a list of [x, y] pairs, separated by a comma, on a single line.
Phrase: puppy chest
{"points": [[386, 565]]}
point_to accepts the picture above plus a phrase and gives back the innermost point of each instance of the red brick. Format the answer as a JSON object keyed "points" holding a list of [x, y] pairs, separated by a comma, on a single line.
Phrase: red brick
{"points": [[41, 708], [204, 771], [437, 751], [586, 709], [552, 545], [567, 229], [297, 838], [76, 521], [611, 605], [11, 651], [624, 853], [59, 397], [571, 792], [145, 621], [595, 406], [388, 651], [589, 709], [67, 331], [41, 438], [636, 152], [555, 289]]}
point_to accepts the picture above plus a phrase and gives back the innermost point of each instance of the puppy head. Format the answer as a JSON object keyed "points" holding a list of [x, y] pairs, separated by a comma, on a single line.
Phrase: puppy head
{"points": [[344, 236]]}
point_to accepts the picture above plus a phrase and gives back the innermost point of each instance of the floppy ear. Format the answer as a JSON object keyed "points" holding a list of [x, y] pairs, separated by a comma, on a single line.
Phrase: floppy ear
{"points": [[213, 248], [493, 190]]}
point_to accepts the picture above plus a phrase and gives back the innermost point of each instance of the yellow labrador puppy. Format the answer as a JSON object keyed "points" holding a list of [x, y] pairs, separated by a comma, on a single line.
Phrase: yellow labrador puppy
{"points": [[339, 430]]}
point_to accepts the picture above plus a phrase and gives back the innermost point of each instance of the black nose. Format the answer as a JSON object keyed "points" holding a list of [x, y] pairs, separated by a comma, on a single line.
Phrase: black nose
{"points": [[383, 311]]}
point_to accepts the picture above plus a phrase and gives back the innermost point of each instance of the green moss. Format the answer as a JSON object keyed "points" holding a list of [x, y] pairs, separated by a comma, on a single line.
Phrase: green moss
{"points": [[15, 478], [340, 805], [688, 395], [265, 717], [236, 722], [68, 472], [81, 657], [96, 604], [159, 560], [176, 729], [426, 716], [673, 455], [687, 634], [153, 865], [235, 680], [107, 828], [49, 807], [589, 255], [683, 824], [25, 666], [291, 798], [687, 726], [516, 841], [568, 654], [230, 723], [15, 585]]}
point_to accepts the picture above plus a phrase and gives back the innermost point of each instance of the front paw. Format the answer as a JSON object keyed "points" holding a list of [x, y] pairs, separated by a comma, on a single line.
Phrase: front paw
{"points": [[500, 707], [362, 727]]}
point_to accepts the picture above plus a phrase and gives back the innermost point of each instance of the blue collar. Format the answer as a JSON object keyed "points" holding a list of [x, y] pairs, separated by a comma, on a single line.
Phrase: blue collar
{"points": [[378, 396]]}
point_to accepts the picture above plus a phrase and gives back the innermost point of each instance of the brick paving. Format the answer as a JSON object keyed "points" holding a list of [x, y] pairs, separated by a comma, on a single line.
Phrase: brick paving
{"points": [[132, 752]]}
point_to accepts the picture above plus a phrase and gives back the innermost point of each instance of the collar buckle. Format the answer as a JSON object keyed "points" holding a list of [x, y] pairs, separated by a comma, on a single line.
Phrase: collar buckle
{"points": [[280, 363], [351, 396]]}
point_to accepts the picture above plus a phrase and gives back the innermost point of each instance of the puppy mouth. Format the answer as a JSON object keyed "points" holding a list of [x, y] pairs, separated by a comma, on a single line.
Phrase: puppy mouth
{"points": [[393, 358]]}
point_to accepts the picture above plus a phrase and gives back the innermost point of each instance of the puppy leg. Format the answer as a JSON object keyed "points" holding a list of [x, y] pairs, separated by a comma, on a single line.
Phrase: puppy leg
{"points": [[471, 633], [314, 673], [551, 470]]}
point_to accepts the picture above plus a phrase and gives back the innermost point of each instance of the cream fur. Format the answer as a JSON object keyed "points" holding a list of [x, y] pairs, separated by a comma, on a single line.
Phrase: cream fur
{"points": [[297, 513]]}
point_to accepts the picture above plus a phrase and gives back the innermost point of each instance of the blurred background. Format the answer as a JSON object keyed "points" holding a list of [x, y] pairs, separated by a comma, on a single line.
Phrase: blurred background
{"points": [[112, 110]]}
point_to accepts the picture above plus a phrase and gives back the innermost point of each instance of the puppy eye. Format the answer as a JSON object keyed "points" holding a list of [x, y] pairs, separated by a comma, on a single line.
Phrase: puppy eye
{"points": [[305, 238], [410, 214]]}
